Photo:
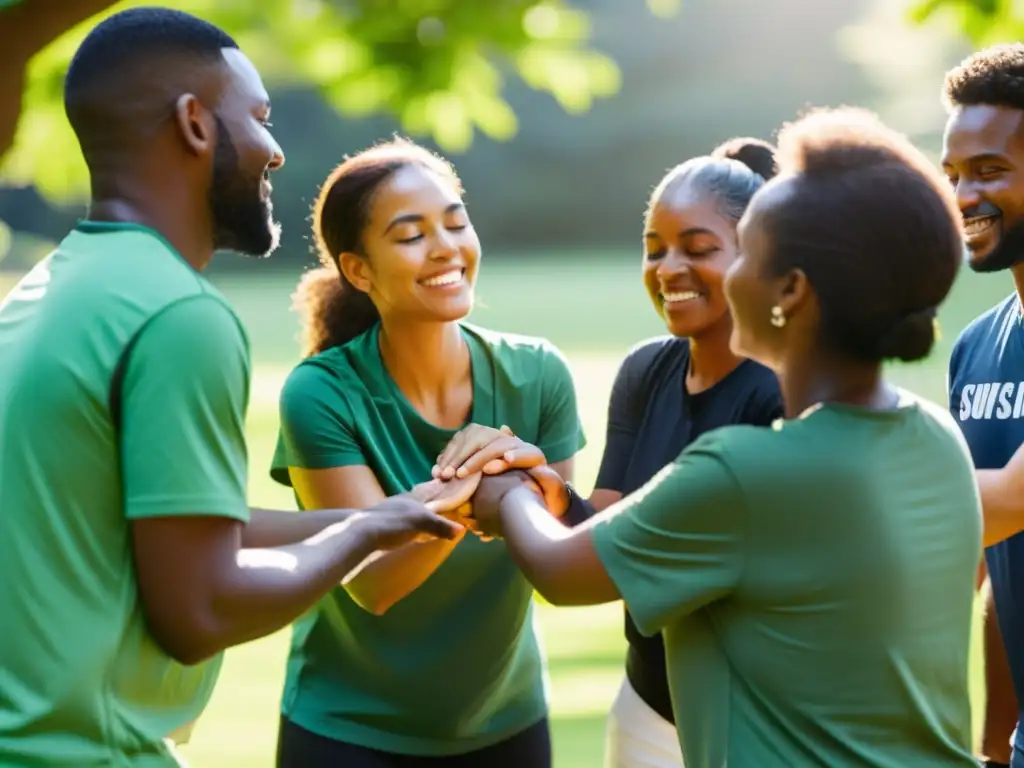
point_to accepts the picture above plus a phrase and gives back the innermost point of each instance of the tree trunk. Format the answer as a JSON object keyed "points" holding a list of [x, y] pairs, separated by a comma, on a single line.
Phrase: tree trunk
{"points": [[25, 29]]}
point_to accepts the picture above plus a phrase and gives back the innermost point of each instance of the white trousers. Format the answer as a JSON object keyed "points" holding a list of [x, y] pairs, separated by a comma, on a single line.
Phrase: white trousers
{"points": [[637, 736]]}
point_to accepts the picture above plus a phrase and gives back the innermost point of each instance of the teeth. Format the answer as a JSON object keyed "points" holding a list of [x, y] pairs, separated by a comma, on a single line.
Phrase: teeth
{"points": [[680, 296], [447, 278], [976, 226]]}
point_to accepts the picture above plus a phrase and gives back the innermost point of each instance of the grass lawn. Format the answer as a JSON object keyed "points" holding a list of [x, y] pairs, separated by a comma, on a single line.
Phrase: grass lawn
{"points": [[594, 309]]}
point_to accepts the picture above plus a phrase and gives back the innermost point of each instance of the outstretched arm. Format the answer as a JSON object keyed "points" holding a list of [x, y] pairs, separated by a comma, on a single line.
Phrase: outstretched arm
{"points": [[1002, 499], [393, 576], [560, 562], [183, 456], [666, 552]]}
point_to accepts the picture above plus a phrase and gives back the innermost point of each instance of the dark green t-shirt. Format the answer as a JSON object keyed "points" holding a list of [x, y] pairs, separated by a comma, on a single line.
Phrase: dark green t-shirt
{"points": [[455, 666], [814, 584], [83, 684]]}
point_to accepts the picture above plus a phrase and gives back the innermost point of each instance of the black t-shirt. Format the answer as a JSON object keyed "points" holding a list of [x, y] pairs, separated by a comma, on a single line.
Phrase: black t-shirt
{"points": [[651, 419]]}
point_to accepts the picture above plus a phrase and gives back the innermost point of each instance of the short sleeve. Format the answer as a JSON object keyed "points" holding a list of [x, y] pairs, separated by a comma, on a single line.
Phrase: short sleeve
{"points": [[625, 411], [676, 544], [318, 430], [561, 433], [184, 398]]}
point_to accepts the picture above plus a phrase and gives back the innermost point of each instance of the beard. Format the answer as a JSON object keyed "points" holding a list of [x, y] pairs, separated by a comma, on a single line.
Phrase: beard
{"points": [[242, 221]]}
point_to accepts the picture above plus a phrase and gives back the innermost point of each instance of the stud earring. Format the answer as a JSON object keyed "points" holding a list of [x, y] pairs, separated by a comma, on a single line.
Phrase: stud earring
{"points": [[778, 318]]}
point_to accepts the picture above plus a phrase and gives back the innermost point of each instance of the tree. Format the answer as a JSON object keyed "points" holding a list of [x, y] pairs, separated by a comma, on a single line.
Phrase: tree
{"points": [[983, 21], [437, 65]]}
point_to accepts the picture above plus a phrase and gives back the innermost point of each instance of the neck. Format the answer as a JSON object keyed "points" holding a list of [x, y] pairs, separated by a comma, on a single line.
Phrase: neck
{"points": [[711, 358], [819, 379], [426, 360], [176, 213], [1018, 280]]}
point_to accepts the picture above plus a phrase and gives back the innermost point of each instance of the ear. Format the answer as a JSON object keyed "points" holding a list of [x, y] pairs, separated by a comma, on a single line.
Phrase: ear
{"points": [[356, 270], [196, 124], [794, 292]]}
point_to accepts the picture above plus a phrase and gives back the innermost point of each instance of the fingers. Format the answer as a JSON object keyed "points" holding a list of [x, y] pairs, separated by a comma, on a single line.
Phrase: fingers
{"points": [[436, 525], [465, 443], [521, 456], [484, 441], [449, 495]]}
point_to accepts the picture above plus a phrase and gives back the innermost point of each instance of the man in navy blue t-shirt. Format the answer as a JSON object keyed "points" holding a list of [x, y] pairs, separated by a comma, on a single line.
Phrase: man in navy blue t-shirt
{"points": [[983, 155]]}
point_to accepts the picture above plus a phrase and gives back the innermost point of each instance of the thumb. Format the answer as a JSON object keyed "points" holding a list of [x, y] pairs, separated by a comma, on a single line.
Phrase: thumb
{"points": [[438, 526]]}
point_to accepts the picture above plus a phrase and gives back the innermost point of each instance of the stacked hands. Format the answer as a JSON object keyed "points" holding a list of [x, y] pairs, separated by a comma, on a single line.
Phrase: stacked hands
{"points": [[477, 468]]}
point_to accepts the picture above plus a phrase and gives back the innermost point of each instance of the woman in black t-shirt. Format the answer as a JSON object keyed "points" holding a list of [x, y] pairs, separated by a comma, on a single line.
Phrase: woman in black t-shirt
{"points": [[667, 393]]}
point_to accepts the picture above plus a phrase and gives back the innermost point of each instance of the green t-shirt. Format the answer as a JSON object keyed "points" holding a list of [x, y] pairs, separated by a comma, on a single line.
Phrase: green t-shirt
{"points": [[814, 584], [83, 684], [455, 666]]}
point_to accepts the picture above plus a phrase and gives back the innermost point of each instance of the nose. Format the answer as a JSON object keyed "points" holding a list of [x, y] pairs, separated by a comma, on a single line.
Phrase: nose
{"points": [[445, 245], [967, 196], [673, 263], [277, 157]]}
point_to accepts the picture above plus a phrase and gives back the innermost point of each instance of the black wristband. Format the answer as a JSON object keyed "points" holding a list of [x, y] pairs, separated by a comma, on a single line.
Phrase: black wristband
{"points": [[993, 764], [579, 510]]}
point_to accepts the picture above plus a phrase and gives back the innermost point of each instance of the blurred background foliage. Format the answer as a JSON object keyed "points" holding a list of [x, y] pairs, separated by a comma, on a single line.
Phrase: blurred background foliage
{"points": [[559, 115]]}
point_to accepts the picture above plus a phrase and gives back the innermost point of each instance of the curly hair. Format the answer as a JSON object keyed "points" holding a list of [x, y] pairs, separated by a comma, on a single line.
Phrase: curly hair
{"points": [[994, 76]]}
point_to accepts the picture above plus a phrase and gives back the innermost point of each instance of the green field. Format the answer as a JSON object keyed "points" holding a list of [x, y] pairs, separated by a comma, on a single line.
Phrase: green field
{"points": [[594, 309]]}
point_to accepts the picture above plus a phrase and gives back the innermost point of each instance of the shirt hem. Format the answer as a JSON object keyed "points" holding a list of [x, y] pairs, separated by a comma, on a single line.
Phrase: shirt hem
{"points": [[414, 746]]}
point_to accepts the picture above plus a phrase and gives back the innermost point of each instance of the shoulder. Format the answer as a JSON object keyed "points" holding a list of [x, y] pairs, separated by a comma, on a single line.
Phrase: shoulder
{"points": [[735, 445], [939, 421], [985, 330], [650, 357], [325, 374], [518, 355]]}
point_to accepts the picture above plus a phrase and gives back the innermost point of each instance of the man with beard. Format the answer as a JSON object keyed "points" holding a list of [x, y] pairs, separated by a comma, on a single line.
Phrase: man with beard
{"points": [[129, 559], [983, 155]]}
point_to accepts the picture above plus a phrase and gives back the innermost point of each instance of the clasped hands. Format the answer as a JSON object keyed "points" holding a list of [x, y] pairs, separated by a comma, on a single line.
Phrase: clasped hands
{"points": [[477, 468]]}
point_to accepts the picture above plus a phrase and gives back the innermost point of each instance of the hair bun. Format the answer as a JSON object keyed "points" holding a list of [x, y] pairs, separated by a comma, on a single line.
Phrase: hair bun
{"points": [[757, 155], [910, 338]]}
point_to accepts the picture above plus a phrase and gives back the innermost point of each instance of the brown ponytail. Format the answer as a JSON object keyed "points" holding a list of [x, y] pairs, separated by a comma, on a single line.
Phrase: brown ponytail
{"points": [[334, 311]]}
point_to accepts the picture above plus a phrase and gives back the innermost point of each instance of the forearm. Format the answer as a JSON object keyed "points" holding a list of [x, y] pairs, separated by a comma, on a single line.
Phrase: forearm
{"points": [[396, 574], [534, 539], [276, 528], [1003, 505], [269, 588]]}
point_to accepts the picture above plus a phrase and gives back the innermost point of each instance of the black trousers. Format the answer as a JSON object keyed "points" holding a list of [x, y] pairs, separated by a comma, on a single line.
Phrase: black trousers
{"points": [[298, 748]]}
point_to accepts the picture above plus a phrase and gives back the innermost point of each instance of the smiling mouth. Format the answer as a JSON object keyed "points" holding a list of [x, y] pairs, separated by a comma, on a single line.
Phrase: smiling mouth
{"points": [[445, 279], [678, 297], [979, 225]]}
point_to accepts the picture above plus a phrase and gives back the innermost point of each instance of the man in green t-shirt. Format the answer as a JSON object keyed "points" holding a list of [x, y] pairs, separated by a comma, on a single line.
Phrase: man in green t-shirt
{"points": [[129, 557]]}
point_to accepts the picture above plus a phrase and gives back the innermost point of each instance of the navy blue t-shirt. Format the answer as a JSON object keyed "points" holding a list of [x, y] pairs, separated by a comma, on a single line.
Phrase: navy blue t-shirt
{"points": [[651, 419], [986, 397]]}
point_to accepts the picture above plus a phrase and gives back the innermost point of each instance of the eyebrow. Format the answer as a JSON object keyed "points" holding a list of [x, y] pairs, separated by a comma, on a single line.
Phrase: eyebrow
{"points": [[691, 232], [984, 157], [413, 218]]}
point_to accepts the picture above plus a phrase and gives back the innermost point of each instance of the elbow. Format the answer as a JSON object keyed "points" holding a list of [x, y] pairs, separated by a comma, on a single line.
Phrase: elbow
{"points": [[188, 641], [553, 595], [371, 598]]}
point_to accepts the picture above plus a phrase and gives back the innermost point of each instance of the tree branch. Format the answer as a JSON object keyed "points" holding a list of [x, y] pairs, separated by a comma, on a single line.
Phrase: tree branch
{"points": [[27, 28]]}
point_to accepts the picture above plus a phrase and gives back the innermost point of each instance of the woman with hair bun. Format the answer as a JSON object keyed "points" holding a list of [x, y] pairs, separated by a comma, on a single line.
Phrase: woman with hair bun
{"points": [[813, 582], [428, 656], [668, 392]]}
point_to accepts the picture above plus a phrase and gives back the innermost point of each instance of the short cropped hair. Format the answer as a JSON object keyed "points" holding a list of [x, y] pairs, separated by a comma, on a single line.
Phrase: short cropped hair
{"points": [[134, 56], [992, 77]]}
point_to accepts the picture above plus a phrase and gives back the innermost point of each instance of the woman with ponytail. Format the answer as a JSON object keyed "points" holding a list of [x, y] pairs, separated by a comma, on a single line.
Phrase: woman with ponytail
{"points": [[668, 392], [428, 655]]}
